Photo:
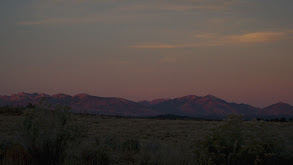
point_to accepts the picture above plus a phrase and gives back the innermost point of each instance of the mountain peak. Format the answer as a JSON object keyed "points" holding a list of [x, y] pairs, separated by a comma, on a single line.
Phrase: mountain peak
{"points": [[189, 97], [281, 104], [212, 97], [21, 94], [278, 109], [60, 95], [24, 95]]}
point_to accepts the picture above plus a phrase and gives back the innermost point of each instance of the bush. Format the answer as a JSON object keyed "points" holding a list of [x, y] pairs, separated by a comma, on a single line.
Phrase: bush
{"points": [[103, 157], [95, 154], [11, 110], [131, 145], [237, 143], [17, 155], [159, 153], [48, 132], [129, 149], [263, 145]]}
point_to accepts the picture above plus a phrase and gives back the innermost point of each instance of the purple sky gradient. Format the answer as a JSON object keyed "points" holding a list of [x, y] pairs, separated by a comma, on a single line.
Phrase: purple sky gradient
{"points": [[237, 50]]}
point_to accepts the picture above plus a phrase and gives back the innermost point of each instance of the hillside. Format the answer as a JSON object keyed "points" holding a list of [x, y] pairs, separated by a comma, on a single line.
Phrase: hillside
{"points": [[191, 106]]}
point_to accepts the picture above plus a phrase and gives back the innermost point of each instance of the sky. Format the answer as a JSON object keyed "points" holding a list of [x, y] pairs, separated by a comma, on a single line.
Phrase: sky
{"points": [[237, 50]]}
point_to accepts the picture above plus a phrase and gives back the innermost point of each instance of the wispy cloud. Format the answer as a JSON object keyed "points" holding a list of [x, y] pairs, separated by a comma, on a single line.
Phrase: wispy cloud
{"points": [[257, 37], [212, 39]]}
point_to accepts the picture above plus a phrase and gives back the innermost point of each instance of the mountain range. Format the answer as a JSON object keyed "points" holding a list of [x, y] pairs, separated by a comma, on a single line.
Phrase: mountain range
{"points": [[192, 106]]}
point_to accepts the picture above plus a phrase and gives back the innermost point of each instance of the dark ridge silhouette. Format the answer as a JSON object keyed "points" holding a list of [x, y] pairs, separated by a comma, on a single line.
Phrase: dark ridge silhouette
{"points": [[82, 103], [203, 107], [279, 109], [208, 107]]}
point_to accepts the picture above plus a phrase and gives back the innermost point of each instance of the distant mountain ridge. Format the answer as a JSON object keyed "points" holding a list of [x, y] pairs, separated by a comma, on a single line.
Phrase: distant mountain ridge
{"points": [[82, 103], [191, 105], [206, 107]]}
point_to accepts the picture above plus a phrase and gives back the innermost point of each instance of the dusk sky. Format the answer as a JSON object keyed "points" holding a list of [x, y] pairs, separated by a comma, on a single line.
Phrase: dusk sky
{"points": [[237, 50]]}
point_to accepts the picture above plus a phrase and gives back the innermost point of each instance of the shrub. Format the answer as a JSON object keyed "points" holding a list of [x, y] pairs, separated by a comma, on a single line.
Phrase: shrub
{"points": [[17, 155], [96, 154], [237, 143], [130, 148], [11, 110], [47, 132], [262, 145], [223, 143], [4, 145], [159, 153], [89, 156], [131, 145], [103, 157]]}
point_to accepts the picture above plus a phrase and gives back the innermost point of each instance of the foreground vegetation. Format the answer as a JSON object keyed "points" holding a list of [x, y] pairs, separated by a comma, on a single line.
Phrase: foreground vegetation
{"points": [[44, 134]]}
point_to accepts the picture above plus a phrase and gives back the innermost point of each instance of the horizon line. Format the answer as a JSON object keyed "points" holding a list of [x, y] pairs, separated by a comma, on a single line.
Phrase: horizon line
{"points": [[208, 95]]}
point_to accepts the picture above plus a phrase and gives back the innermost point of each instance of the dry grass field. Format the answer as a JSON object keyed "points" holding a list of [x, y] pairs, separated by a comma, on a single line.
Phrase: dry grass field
{"points": [[162, 141]]}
